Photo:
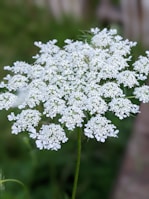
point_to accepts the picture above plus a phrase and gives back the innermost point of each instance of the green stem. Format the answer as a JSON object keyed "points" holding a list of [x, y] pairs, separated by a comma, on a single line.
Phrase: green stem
{"points": [[131, 97], [18, 182], [77, 166]]}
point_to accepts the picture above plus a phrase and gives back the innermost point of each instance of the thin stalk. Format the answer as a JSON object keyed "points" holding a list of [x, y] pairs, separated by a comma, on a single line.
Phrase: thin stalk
{"points": [[77, 165], [18, 182]]}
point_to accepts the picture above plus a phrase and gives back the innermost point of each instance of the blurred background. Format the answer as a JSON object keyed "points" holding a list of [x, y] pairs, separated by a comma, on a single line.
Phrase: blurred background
{"points": [[117, 169]]}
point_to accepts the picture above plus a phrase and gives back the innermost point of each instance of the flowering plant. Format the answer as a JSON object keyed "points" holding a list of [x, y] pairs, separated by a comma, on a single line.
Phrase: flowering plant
{"points": [[72, 88]]}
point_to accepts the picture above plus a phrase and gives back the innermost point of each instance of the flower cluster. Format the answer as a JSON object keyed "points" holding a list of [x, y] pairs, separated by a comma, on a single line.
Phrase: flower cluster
{"points": [[74, 87]]}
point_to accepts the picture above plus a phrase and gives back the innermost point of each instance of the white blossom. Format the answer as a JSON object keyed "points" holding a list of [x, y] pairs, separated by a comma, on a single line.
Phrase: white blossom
{"points": [[144, 63], [122, 48], [100, 128], [108, 71], [36, 71], [72, 117], [75, 87], [111, 89], [142, 93], [50, 137], [27, 120], [103, 38], [53, 106], [123, 107], [7, 100], [19, 67], [34, 94], [96, 105], [16, 82], [127, 78], [95, 30]]}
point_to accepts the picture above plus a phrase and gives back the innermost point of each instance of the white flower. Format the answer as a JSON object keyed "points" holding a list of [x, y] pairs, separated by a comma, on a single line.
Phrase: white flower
{"points": [[50, 137], [102, 38], [77, 99], [112, 90], [142, 93], [53, 106], [49, 47], [122, 48], [17, 82], [7, 100], [34, 94], [108, 71], [27, 120], [19, 67], [123, 107], [75, 86], [36, 71], [127, 78], [95, 30], [100, 128], [144, 63], [72, 117], [96, 104], [118, 62]]}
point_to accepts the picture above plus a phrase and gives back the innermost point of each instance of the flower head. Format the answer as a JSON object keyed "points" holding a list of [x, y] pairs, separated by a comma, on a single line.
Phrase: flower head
{"points": [[50, 137], [27, 120], [7, 100], [74, 87], [142, 93]]}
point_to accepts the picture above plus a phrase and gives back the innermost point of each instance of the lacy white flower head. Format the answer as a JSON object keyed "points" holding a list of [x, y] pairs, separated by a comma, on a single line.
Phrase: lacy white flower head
{"points": [[74, 87]]}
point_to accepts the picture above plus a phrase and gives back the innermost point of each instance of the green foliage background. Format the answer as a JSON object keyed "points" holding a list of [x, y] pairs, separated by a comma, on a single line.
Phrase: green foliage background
{"points": [[46, 174]]}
